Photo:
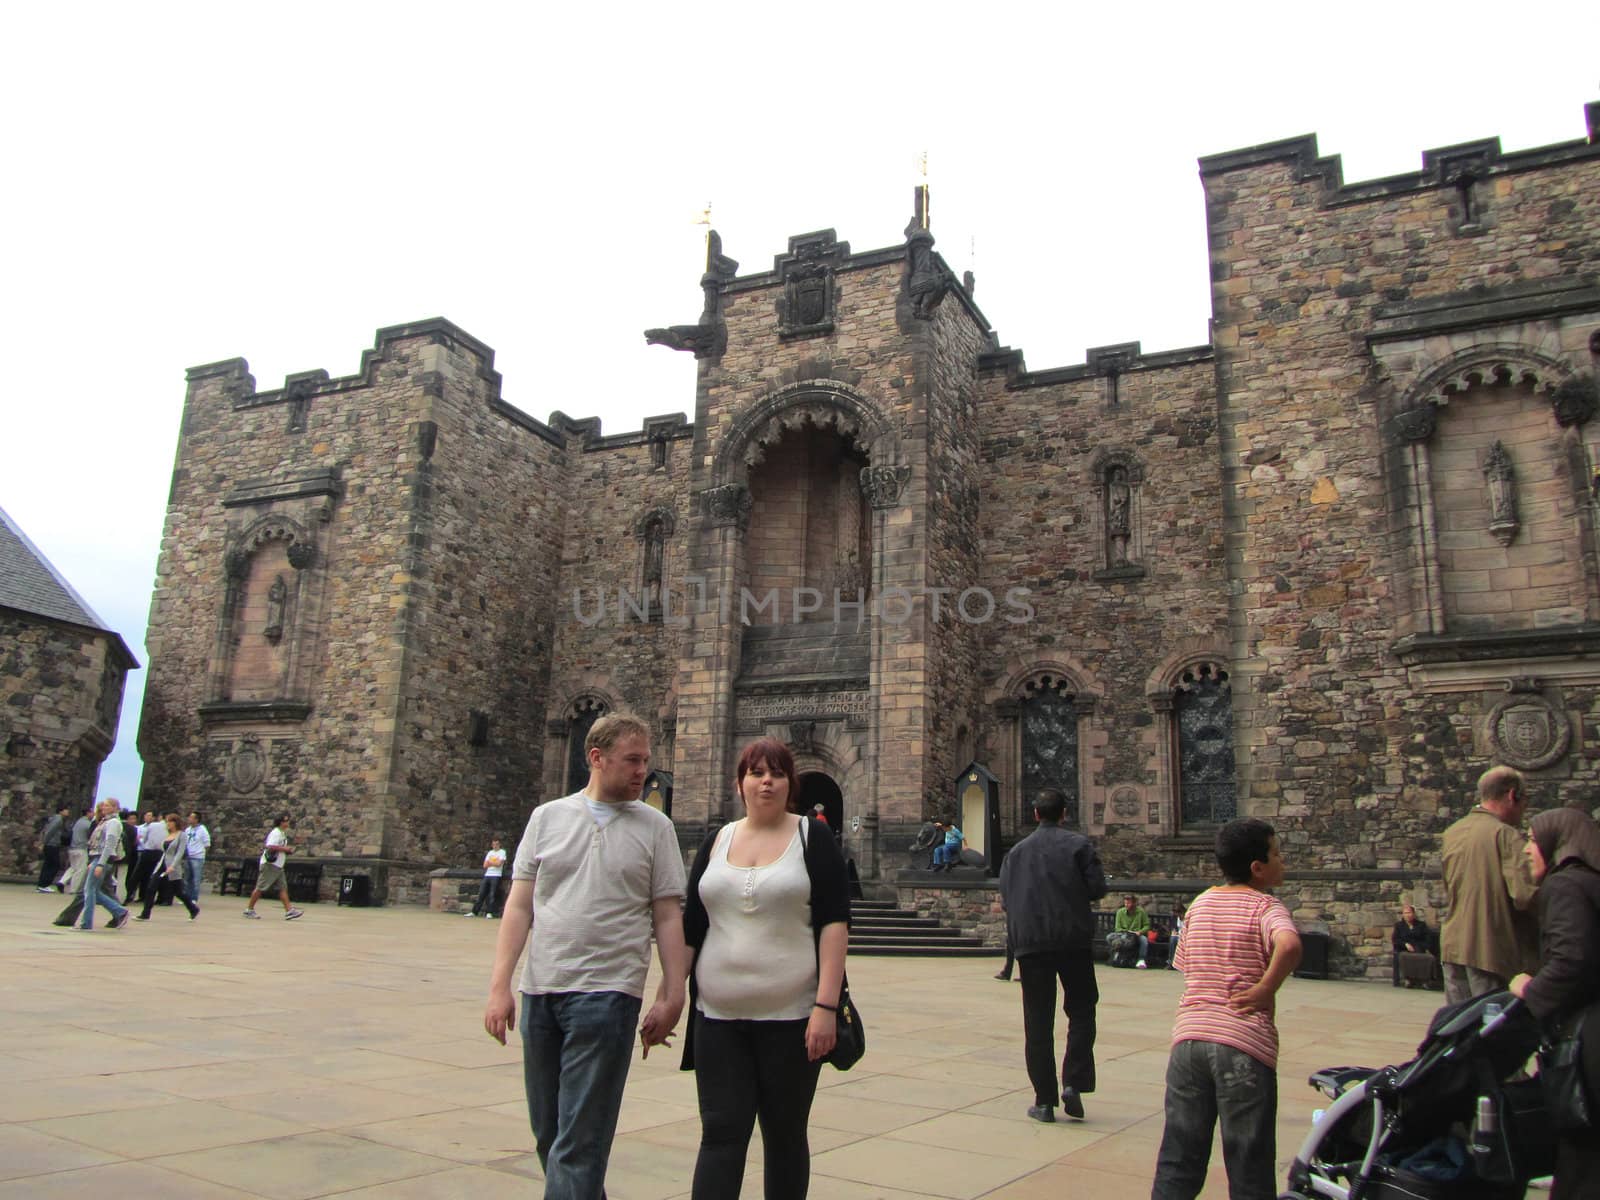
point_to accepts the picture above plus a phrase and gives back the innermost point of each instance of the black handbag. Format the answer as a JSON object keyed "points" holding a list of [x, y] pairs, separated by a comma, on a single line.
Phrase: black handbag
{"points": [[851, 1041], [1568, 1106]]}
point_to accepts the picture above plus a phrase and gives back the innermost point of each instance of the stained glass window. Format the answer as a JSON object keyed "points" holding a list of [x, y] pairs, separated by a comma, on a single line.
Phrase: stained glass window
{"points": [[1049, 747], [1202, 709]]}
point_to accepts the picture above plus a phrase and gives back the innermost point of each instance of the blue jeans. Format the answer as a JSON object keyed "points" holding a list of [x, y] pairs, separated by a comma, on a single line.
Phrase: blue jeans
{"points": [[192, 868], [1207, 1081], [576, 1048], [92, 895], [945, 854]]}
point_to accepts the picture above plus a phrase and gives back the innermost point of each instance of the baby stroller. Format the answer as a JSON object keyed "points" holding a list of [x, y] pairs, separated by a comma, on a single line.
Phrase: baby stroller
{"points": [[1451, 1124]]}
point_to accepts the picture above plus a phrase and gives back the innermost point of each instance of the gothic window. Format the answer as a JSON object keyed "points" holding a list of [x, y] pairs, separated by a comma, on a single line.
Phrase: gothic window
{"points": [[1202, 718], [585, 712], [1049, 719]]}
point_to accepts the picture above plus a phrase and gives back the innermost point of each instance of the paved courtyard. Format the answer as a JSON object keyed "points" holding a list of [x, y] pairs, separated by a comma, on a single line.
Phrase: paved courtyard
{"points": [[343, 1055]]}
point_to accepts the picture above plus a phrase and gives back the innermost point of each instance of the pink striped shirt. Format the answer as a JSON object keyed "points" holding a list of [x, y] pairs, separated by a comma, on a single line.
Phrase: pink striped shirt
{"points": [[1225, 948]]}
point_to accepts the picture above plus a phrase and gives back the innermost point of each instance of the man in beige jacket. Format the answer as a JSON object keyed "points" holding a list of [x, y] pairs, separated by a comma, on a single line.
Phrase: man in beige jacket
{"points": [[1489, 932]]}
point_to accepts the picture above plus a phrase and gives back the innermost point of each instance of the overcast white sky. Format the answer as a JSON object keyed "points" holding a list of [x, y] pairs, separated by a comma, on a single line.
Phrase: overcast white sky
{"points": [[188, 183]]}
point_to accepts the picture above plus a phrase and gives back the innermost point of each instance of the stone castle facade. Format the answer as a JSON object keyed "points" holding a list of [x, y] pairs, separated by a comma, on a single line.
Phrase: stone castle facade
{"points": [[1323, 569]]}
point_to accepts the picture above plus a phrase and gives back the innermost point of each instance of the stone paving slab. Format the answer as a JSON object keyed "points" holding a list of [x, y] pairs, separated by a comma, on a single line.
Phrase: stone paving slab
{"points": [[343, 1055]]}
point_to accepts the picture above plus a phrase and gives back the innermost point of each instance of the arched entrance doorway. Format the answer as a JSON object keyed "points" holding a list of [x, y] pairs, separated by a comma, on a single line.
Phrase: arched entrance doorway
{"points": [[816, 788]]}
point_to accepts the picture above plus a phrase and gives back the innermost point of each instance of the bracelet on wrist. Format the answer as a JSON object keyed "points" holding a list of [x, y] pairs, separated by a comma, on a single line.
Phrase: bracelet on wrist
{"points": [[833, 1008]]}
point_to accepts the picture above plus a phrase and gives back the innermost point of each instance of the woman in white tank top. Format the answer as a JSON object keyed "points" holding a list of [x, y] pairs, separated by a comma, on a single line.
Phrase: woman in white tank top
{"points": [[768, 916]]}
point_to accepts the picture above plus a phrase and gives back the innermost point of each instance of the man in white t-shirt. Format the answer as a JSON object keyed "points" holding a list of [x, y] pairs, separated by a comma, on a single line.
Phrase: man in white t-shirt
{"points": [[274, 854], [595, 874], [494, 865]]}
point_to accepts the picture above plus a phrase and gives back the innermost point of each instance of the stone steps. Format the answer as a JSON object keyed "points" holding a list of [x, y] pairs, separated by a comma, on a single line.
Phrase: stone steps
{"points": [[879, 929]]}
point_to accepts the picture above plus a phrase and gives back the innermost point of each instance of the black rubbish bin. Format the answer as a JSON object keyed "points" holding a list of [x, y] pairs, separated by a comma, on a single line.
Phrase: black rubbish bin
{"points": [[355, 890], [1313, 955]]}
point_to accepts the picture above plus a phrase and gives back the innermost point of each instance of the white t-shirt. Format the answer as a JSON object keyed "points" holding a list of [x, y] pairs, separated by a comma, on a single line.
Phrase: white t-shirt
{"points": [[276, 838], [593, 888], [494, 863]]}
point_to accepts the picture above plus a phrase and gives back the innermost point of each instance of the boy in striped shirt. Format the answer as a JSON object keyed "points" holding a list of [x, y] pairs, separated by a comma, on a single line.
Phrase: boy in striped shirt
{"points": [[1239, 945]]}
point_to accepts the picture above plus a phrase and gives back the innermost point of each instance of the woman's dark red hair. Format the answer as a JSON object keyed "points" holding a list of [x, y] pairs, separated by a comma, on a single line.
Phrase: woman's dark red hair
{"points": [[776, 756]]}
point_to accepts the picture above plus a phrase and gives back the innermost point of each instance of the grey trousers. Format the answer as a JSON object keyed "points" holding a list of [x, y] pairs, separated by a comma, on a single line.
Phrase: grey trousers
{"points": [[1463, 983]]}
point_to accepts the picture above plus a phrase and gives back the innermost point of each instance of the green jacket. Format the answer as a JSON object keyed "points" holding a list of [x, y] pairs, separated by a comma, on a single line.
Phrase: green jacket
{"points": [[1135, 921]]}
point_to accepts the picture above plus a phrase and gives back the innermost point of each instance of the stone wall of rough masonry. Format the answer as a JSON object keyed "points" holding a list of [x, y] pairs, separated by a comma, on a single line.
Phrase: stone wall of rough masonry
{"points": [[486, 513], [61, 685], [410, 620], [1338, 310], [612, 652], [947, 350], [1119, 639]]}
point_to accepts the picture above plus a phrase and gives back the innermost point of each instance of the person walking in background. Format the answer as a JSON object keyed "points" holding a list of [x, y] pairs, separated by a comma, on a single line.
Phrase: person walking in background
{"points": [[151, 834], [167, 878], [270, 877], [1047, 884], [1239, 945], [1564, 859], [130, 851], [1489, 933], [494, 865], [51, 843], [196, 841], [105, 845], [767, 919], [78, 851], [595, 874]]}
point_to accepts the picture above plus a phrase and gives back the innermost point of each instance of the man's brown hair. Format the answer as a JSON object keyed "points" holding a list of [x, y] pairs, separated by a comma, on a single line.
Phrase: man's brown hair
{"points": [[612, 728]]}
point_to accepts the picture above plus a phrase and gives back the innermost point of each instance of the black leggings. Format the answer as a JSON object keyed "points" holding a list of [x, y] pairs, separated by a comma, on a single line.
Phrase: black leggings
{"points": [[746, 1071]]}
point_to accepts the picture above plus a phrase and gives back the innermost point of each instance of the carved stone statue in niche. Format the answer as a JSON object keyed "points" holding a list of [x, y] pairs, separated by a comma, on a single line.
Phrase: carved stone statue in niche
{"points": [[850, 580], [655, 544], [1500, 482], [277, 595], [1119, 523]]}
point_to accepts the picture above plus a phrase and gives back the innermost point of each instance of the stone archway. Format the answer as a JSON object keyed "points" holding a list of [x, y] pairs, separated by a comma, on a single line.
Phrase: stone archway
{"points": [[818, 787]]}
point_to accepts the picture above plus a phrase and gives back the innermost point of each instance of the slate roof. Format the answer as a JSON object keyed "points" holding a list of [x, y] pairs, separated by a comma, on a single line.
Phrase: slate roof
{"points": [[30, 584]]}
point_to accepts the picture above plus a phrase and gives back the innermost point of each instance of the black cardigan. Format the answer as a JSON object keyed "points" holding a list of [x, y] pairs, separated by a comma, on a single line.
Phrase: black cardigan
{"points": [[830, 903]]}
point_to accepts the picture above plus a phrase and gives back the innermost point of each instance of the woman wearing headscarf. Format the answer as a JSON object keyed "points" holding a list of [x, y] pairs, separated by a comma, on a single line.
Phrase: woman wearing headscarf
{"points": [[1564, 849]]}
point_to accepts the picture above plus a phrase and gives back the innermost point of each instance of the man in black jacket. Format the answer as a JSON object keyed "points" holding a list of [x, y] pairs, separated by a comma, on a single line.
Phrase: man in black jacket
{"points": [[1047, 884]]}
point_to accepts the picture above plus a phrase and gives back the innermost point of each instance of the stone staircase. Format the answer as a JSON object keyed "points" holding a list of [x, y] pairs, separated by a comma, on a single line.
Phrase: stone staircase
{"points": [[878, 928]]}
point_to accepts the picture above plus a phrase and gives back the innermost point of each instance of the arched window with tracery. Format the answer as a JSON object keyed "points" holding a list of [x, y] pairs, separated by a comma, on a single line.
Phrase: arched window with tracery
{"points": [[586, 710], [1048, 715], [1202, 722]]}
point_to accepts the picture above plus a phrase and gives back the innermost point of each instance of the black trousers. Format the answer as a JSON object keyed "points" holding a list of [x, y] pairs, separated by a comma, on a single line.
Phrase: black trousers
{"points": [[744, 1072], [1075, 970], [163, 891], [50, 867], [141, 878]]}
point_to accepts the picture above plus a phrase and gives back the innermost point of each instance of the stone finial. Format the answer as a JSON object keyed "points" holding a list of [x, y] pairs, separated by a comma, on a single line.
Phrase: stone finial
{"points": [[882, 485], [729, 504], [926, 280]]}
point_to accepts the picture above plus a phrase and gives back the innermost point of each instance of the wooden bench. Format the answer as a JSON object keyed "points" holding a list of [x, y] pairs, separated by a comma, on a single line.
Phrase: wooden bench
{"points": [[1105, 922], [303, 879]]}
